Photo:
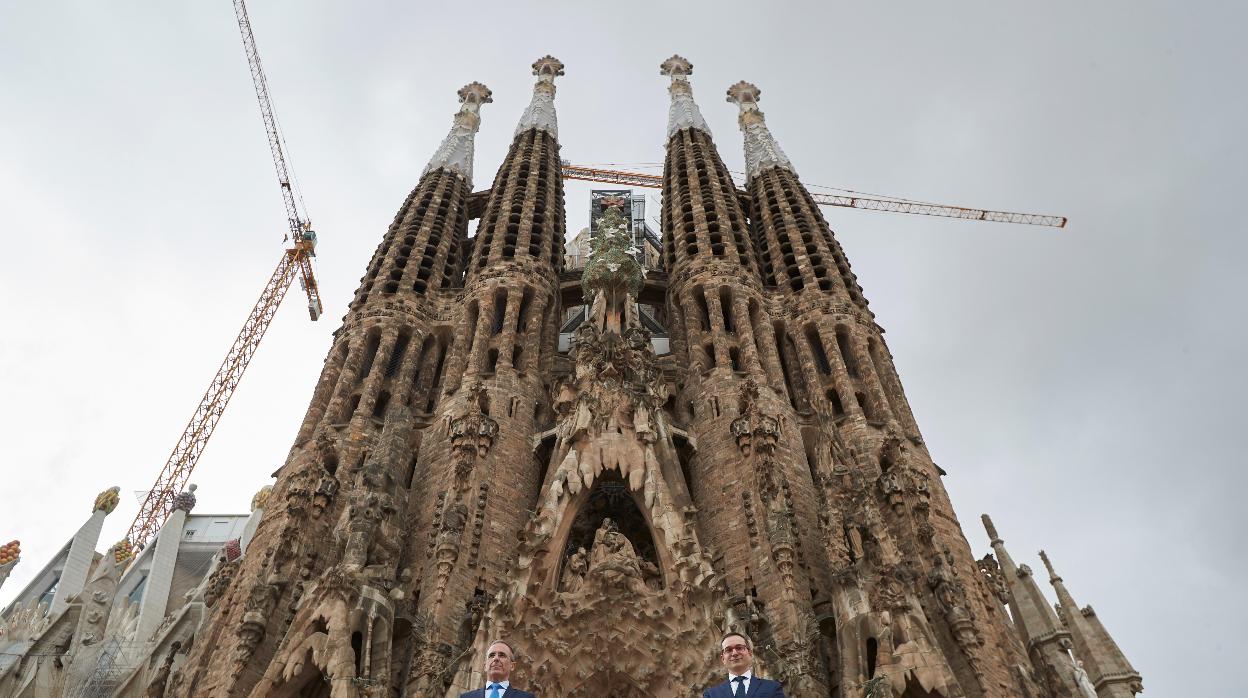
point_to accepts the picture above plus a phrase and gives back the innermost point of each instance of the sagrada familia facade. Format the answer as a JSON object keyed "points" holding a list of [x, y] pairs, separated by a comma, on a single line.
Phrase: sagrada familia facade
{"points": [[464, 474]]}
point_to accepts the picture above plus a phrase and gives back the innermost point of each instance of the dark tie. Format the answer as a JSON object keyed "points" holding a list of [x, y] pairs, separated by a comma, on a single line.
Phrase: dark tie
{"points": [[496, 690], [739, 691]]}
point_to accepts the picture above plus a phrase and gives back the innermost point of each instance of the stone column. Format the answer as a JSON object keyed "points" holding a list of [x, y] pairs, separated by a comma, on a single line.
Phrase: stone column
{"points": [[82, 552], [160, 578]]}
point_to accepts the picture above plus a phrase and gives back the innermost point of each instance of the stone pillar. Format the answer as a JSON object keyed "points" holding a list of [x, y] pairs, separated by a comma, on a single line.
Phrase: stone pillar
{"points": [[156, 592], [258, 502], [82, 552]]}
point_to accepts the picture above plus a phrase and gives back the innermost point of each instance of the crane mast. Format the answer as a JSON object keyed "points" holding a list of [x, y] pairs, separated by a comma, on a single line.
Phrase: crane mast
{"points": [[296, 261]]}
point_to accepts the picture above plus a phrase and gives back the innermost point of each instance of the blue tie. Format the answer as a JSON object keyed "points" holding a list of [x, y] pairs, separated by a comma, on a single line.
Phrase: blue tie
{"points": [[740, 690], [496, 690]]}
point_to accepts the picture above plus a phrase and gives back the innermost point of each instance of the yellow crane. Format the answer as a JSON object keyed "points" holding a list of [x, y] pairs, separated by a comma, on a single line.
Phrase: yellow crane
{"points": [[296, 261]]}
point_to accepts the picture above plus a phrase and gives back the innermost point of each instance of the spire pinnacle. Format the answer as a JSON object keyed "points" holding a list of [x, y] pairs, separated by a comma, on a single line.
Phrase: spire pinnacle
{"points": [[455, 153], [540, 113], [761, 149], [684, 112], [1053, 576]]}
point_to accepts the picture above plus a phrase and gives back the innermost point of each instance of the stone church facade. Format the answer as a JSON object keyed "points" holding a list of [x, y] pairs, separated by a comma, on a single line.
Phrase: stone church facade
{"points": [[610, 510]]}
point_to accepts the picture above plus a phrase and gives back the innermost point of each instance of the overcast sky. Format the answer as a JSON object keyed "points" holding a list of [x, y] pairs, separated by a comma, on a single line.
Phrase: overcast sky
{"points": [[1082, 385]]}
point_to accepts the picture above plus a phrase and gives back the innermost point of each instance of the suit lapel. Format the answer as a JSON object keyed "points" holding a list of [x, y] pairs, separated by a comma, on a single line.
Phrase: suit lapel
{"points": [[756, 685]]}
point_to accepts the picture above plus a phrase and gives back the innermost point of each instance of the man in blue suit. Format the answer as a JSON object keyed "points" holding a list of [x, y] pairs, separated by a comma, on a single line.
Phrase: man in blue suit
{"points": [[737, 654], [500, 659]]}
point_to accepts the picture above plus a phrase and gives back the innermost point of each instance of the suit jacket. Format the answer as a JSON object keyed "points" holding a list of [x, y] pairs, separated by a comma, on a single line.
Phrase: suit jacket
{"points": [[511, 692], [759, 688]]}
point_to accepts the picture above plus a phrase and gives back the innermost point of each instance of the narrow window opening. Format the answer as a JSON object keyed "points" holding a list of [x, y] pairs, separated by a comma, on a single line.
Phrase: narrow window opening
{"points": [[370, 355], [784, 364], [436, 384], [847, 355], [838, 410], [357, 646], [491, 361], [816, 347], [500, 311], [396, 355], [379, 407], [862, 404], [411, 472], [725, 308], [734, 355]]}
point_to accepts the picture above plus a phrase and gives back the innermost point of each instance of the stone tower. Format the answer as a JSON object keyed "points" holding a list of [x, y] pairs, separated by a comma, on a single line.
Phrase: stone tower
{"points": [[609, 509]]}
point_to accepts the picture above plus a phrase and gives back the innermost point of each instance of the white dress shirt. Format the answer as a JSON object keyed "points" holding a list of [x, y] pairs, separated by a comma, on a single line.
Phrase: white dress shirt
{"points": [[489, 692], [749, 675]]}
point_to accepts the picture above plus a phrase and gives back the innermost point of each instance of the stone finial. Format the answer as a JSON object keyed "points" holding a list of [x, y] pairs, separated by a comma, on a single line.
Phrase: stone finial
{"points": [[762, 152], [185, 500], [992, 530], [1053, 576], [475, 93], [540, 113], [122, 550], [684, 112], [107, 500], [455, 153], [548, 67], [744, 93], [261, 497], [10, 552], [676, 65]]}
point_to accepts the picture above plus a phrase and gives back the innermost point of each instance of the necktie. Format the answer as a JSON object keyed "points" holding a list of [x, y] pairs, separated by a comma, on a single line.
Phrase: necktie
{"points": [[496, 690], [739, 691]]}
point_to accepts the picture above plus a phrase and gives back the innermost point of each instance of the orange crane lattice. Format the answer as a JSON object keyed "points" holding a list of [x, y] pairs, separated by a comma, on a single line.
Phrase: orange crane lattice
{"points": [[296, 261], [638, 179]]}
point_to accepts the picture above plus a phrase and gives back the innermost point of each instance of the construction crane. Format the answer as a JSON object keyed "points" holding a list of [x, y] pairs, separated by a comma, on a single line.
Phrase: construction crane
{"points": [[296, 261], [892, 205]]}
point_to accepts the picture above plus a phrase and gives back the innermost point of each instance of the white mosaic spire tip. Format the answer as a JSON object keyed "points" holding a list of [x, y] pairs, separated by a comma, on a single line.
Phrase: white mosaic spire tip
{"points": [[540, 113], [455, 153], [762, 152], [684, 112]]}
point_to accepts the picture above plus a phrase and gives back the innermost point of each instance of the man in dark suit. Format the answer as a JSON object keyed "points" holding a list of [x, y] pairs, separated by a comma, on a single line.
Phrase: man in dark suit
{"points": [[737, 654], [500, 659]]}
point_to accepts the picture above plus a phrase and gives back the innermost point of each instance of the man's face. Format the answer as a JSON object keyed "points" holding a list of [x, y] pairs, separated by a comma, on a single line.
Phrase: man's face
{"points": [[498, 662], [735, 654]]}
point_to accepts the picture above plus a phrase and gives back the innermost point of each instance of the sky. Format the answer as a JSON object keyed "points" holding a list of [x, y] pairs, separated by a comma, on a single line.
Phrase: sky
{"points": [[1081, 385]]}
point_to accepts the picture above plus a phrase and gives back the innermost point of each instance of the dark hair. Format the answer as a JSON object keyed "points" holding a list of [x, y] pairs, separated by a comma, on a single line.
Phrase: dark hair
{"points": [[748, 643]]}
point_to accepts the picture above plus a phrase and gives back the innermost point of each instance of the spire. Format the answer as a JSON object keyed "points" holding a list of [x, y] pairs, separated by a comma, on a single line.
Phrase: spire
{"points": [[1047, 640], [684, 112], [455, 153], [541, 111], [761, 149], [1107, 667]]}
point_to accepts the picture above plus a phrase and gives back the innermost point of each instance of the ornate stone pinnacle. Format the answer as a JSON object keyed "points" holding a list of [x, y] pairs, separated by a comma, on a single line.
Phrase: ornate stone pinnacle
{"points": [[743, 94], [475, 93], [684, 112], [761, 149], [107, 500], [992, 530], [540, 113], [1053, 576], [262, 496], [676, 65], [548, 66], [456, 151], [185, 500]]}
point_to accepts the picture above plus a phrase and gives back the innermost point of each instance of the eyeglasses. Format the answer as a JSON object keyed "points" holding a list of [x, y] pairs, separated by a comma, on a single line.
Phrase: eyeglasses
{"points": [[730, 649]]}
